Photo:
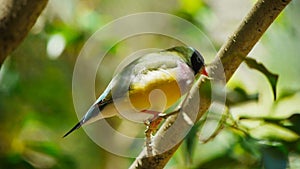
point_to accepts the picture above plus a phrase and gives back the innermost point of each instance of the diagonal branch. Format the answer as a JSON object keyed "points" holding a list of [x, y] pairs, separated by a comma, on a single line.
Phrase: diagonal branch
{"points": [[232, 54], [16, 19]]}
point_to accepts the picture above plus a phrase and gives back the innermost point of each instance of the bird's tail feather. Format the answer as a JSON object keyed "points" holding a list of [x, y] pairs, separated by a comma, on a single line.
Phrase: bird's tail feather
{"points": [[92, 115], [77, 126]]}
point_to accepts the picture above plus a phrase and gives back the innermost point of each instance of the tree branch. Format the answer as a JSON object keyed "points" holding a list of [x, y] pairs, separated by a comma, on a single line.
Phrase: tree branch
{"points": [[249, 32], [16, 19], [232, 54]]}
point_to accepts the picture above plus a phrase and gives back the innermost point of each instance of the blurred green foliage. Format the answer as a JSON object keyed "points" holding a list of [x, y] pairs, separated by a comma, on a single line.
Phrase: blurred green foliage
{"points": [[36, 106]]}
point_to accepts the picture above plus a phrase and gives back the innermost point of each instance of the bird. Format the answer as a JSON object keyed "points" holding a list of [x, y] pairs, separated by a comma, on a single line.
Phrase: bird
{"points": [[171, 71]]}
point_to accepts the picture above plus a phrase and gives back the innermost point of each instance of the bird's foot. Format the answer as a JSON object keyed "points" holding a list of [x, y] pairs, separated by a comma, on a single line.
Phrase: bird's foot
{"points": [[152, 125]]}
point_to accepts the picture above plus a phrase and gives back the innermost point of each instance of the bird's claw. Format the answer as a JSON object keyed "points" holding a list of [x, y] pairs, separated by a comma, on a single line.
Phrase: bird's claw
{"points": [[152, 126]]}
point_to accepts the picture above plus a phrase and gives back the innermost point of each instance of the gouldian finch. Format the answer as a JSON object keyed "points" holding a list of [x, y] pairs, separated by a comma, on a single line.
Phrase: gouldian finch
{"points": [[171, 71]]}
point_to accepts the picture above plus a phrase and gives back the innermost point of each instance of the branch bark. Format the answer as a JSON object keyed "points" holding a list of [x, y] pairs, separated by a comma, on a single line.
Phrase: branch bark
{"points": [[231, 54], [16, 19]]}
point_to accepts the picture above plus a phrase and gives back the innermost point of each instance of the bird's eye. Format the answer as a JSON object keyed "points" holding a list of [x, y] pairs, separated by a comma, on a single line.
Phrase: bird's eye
{"points": [[199, 60]]}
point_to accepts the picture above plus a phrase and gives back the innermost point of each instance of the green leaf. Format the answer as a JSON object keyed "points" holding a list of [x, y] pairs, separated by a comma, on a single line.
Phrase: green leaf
{"points": [[190, 143], [293, 123], [238, 95], [287, 93], [272, 78]]}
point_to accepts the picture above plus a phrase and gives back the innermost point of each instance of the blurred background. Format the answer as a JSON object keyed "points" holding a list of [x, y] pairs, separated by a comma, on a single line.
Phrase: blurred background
{"points": [[36, 106]]}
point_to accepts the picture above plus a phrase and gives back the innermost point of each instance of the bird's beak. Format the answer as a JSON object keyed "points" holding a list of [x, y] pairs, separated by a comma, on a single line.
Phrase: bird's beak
{"points": [[203, 71]]}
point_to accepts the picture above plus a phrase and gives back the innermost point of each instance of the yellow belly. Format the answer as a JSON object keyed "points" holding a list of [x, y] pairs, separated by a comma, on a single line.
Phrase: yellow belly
{"points": [[165, 93]]}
